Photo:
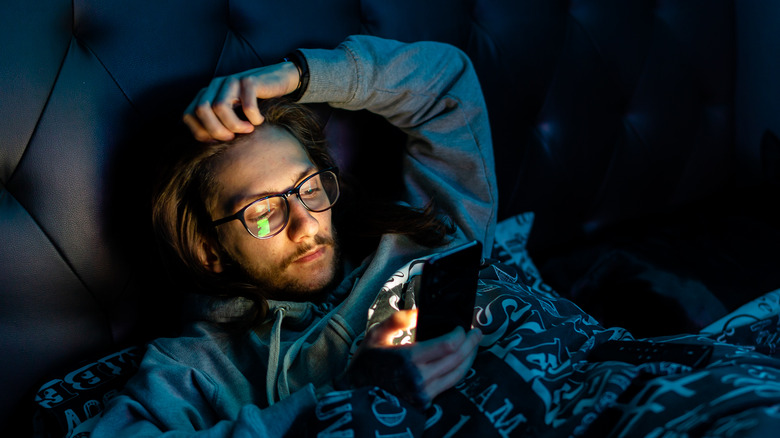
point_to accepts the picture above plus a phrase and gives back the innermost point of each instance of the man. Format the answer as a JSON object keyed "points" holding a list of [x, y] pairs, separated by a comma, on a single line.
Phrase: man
{"points": [[278, 344], [260, 238]]}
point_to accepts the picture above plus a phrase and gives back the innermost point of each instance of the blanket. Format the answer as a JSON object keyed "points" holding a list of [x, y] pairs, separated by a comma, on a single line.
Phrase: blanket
{"points": [[536, 373]]}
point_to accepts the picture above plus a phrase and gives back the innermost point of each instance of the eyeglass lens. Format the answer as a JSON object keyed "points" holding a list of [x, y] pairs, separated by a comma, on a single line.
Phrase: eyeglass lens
{"points": [[268, 216]]}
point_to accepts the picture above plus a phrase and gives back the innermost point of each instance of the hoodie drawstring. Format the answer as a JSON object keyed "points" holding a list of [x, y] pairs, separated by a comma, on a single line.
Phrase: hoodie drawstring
{"points": [[273, 355], [292, 352], [283, 385]]}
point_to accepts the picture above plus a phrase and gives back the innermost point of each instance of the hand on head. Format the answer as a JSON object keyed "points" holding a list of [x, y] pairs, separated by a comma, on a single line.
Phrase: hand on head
{"points": [[212, 116], [415, 372]]}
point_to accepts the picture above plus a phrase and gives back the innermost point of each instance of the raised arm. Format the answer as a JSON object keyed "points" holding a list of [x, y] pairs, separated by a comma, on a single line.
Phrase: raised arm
{"points": [[427, 89], [431, 92]]}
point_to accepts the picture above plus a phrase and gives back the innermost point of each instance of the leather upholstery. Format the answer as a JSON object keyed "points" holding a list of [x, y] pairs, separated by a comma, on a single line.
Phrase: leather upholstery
{"points": [[602, 111]]}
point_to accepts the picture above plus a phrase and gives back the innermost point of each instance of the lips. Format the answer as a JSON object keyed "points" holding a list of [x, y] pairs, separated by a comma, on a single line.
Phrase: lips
{"points": [[311, 256]]}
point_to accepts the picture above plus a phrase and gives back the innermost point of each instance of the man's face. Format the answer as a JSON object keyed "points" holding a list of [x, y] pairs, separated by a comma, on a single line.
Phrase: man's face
{"points": [[302, 259]]}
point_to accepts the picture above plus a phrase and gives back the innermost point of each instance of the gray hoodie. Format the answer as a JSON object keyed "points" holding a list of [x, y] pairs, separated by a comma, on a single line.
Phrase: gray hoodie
{"points": [[257, 384]]}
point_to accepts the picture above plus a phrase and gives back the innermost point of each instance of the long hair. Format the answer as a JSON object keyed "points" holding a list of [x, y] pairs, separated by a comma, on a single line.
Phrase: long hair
{"points": [[181, 220]]}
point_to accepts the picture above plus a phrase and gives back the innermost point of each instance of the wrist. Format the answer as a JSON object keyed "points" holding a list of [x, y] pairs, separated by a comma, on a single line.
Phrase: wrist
{"points": [[298, 61], [293, 76]]}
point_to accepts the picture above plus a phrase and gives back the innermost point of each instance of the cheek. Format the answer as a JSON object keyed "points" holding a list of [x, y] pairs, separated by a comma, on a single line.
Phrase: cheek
{"points": [[325, 221], [242, 247], [228, 235]]}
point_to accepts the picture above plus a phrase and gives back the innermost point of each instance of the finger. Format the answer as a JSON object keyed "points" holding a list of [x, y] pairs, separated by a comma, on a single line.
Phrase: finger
{"points": [[435, 348], [192, 122], [441, 375], [442, 382], [224, 107], [198, 131], [383, 333], [445, 363], [204, 111], [191, 107], [248, 96], [212, 124]]}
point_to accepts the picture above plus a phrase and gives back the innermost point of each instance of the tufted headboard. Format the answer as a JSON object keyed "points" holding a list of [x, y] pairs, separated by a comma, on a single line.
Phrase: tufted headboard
{"points": [[602, 112]]}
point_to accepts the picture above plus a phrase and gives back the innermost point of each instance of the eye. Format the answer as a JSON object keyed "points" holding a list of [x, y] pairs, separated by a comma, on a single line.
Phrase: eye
{"points": [[263, 215], [311, 188], [263, 209]]}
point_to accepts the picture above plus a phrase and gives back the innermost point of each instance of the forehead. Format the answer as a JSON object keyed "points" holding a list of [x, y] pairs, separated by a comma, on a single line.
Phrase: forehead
{"points": [[268, 146], [268, 160]]}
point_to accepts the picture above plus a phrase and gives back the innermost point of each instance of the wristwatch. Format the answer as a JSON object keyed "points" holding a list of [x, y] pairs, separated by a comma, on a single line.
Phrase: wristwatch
{"points": [[297, 58]]}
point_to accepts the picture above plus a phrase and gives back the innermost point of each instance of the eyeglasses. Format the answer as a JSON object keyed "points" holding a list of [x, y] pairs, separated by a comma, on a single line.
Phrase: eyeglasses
{"points": [[268, 216]]}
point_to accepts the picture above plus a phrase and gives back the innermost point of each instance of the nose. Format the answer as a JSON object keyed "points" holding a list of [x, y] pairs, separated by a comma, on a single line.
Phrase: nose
{"points": [[302, 224]]}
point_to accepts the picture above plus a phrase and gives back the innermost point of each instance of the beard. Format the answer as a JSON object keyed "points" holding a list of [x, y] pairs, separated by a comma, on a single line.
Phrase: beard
{"points": [[275, 283]]}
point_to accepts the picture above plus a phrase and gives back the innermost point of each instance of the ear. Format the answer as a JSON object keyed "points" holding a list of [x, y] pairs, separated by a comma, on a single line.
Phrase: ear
{"points": [[209, 256]]}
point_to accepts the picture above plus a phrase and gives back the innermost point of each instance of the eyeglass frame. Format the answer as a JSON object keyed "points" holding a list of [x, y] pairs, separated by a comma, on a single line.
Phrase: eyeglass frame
{"points": [[239, 215]]}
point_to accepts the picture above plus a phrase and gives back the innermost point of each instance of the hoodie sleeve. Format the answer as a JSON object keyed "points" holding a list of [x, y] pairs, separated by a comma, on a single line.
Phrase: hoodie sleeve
{"points": [[431, 92], [167, 398]]}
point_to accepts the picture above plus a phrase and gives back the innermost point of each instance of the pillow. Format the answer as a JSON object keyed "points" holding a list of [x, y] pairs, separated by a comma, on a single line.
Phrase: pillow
{"points": [[65, 406], [760, 309]]}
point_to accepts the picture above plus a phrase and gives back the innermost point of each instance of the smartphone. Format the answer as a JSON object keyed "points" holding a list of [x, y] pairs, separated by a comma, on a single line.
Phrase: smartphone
{"points": [[448, 288]]}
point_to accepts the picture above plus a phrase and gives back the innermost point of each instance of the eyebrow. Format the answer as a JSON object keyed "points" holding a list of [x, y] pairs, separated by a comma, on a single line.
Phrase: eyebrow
{"points": [[242, 201]]}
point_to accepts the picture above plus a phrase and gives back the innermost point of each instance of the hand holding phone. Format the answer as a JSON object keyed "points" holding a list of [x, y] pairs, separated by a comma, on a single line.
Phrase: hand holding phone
{"points": [[448, 287]]}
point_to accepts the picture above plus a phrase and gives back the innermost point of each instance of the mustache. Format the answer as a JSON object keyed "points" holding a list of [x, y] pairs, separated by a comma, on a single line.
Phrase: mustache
{"points": [[303, 249]]}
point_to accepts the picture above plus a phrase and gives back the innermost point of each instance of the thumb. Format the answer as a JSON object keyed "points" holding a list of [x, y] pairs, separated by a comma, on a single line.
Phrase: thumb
{"points": [[386, 331]]}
